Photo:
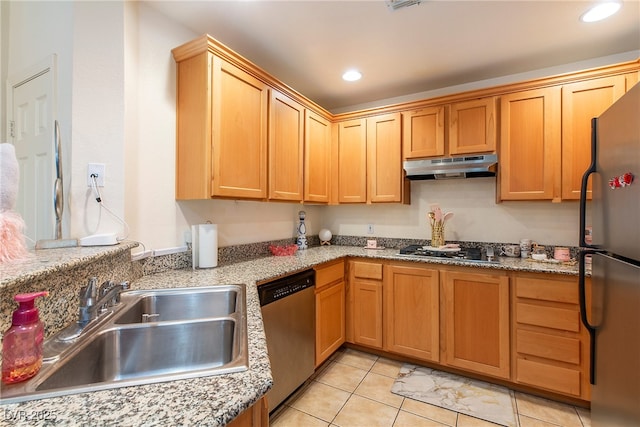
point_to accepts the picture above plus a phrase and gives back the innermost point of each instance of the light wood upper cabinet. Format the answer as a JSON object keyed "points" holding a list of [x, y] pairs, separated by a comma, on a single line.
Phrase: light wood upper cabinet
{"points": [[352, 161], [221, 130], [581, 102], [530, 138], [423, 132], [412, 311], [286, 148], [384, 163], [476, 322], [317, 158], [472, 126], [369, 160], [632, 79], [239, 134]]}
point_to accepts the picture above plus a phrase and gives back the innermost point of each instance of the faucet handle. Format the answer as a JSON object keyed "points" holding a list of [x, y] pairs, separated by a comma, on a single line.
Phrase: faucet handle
{"points": [[88, 293]]}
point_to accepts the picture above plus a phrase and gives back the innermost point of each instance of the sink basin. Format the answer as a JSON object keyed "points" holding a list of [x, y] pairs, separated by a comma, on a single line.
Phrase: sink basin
{"points": [[150, 337], [179, 304], [133, 353]]}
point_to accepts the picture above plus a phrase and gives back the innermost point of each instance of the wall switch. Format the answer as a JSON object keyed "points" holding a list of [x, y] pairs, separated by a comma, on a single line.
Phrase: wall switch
{"points": [[369, 228], [98, 169]]}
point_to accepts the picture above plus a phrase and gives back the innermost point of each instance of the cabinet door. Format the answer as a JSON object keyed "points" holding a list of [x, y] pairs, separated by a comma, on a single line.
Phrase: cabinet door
{"points": [[239, 132], [412, 315], [580, 103], [367, 312], [472, 126], [286, 146], [330, 320], [530, 135], [352, 161], [423, 132], [384, 164], [477, 322], [317, 158], [632, 79]]}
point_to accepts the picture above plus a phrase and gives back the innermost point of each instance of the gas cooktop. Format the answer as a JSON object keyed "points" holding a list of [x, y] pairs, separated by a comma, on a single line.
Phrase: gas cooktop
{"points": [[475, 254]]}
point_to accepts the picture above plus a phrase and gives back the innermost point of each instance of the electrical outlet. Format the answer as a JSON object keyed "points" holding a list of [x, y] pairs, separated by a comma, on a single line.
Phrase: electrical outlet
{"points": [[98, 169], [369, 228]]}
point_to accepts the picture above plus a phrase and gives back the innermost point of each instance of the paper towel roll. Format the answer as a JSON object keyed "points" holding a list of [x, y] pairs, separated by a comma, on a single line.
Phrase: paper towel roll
{"points": [[205, 245]]}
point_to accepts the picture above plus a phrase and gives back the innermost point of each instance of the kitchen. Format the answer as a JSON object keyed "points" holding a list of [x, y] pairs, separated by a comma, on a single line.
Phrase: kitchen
{"points": [[156, 35]]}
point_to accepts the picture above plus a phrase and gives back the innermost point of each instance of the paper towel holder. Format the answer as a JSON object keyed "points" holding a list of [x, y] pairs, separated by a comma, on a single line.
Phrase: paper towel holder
{"points": [[204, 245]]}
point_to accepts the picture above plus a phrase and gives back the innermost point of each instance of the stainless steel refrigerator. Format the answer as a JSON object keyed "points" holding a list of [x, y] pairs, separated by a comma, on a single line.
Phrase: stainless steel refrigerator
{"points": [[613, 315]]}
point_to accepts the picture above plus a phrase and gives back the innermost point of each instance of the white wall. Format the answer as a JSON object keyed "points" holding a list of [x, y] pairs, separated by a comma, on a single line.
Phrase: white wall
{"points": [[154, 216], [32, 32], [476, 216]]}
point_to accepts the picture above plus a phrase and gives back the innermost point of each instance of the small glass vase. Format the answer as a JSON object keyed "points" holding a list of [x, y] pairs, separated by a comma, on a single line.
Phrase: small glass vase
{"points": [[437, 235]]}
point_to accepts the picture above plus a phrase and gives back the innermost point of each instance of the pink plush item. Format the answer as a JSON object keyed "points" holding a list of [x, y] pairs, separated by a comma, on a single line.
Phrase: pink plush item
{"points": [[12, 244]]}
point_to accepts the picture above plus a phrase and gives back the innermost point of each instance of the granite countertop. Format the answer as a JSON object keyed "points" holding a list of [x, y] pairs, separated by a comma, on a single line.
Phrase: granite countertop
{"points": [[215, 400]]}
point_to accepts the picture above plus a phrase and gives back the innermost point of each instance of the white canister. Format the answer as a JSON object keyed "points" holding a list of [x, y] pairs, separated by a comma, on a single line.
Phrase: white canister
{"points": [[525, 248]]}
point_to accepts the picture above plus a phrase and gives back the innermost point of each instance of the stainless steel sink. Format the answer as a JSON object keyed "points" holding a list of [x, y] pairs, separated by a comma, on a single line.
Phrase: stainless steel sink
{"points": [[199, 332], [178, 304]]}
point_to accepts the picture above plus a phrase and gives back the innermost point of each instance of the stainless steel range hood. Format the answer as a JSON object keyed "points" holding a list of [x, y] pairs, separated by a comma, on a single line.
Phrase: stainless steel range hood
{"points": [[452, 167]]}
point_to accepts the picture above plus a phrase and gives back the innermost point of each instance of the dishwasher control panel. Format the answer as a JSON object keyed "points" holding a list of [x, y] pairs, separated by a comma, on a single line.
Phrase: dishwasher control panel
{"points": [[286, 286]]}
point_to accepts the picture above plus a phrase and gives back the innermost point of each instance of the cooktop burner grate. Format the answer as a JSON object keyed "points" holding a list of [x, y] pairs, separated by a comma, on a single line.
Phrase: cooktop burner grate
{"points": [[468, 254]]}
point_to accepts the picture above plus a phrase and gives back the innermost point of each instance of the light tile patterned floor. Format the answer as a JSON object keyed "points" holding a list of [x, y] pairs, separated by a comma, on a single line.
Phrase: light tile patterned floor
{"points": [[353, 390]]}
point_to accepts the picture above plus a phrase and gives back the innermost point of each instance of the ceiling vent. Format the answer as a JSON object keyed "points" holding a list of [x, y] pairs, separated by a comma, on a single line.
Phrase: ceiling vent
{"points": [[398, 4]]}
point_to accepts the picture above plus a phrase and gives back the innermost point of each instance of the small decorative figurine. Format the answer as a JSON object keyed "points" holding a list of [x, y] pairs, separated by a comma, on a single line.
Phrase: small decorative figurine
{"points": [[301, 241], [325, 237]]}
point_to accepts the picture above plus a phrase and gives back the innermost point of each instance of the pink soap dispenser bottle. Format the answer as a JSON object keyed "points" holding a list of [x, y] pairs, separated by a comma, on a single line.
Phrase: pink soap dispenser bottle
{"points": [[22, 342]]}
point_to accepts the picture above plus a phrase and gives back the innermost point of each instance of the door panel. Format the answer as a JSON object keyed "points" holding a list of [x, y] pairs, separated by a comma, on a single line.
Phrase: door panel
{"points": [[33, 139]]}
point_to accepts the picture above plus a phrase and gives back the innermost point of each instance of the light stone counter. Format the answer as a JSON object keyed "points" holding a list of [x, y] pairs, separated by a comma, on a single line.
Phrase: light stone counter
{"points": [[214, 400]]}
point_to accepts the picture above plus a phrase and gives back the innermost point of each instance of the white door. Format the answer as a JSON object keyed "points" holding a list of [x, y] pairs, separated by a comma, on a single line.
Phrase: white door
{"points": [[31, 127]]}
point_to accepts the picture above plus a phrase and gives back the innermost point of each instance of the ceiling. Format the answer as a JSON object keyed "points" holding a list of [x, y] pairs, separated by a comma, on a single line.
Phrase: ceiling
{"points": [[308, 44]]}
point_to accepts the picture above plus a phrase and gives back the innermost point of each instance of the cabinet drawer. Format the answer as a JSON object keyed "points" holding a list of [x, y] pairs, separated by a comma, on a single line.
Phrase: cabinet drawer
{"points": [[553, 347], [367, 270], [548, 377], [329, 274], [548, 317], [547, 290]]}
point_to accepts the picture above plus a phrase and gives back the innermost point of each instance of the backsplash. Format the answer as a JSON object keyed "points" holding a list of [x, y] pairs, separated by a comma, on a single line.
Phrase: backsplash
{"points": [[246, 252]]}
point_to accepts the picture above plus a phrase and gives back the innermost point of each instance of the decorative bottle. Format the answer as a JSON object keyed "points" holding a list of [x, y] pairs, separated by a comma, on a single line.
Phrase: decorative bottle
{"points": [[301, 241]]}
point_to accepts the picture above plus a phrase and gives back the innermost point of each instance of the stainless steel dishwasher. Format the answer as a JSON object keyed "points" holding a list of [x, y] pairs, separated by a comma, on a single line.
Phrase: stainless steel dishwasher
{"points": [[288, 313]]}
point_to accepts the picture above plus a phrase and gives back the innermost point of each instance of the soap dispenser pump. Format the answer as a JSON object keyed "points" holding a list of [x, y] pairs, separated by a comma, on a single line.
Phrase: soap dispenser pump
{"points": [[22, 342]]}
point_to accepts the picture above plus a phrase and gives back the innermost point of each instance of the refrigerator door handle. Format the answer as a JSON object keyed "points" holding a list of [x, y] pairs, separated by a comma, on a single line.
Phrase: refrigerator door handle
{"points": [[583, 312], [583, 187]]}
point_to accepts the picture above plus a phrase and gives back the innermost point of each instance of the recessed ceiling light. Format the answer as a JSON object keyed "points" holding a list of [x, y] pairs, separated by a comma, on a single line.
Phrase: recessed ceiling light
{"points": [[601, 11], [352, 75]]}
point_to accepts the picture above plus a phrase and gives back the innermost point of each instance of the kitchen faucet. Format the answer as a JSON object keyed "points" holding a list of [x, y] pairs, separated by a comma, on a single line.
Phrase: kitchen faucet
{"points": [[94, 301]]}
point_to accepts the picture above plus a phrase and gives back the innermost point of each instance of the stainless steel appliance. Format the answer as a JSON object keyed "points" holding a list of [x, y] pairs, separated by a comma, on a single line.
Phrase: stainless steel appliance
{"points": [[475, 254], [613, 320], [288, 313], [469, 166]]}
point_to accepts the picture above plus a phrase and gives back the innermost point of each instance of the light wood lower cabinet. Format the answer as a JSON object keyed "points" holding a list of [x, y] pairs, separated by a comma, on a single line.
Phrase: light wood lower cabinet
{"points": [[255, 416], [412, 311], [551, 346], [520, 327], [364, 314], [476, 322], [330, 309]]}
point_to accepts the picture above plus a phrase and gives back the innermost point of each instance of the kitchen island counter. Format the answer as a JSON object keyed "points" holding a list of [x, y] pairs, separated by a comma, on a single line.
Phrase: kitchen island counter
{"points": [[216, 400]]}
